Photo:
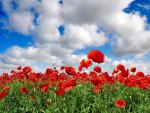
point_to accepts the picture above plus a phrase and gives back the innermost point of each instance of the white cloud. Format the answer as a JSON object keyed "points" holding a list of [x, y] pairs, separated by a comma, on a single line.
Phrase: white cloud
{"points": [[46, 56], [74, 60], [21, 22], [81, 20], [78, 37], [48, 21], [130, 36], [92, 11], [47, 31]]}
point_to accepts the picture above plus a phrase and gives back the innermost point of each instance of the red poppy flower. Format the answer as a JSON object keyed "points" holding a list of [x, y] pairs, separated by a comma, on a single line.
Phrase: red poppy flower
{"points": [[3, 93], [12, 71], [24, 90], [97, 81], [6, 88], [33, 77], [97, 69], [140, 74], [97, 88], [62, 76], [49, 71], [19, 68], [84, 63], [133, 69], [96, 56], [93, 74], [120, 67], [61, 85], [62, 67], [115, 71], [44, 87], [68, 88], [124, 73], [144, 85], [120, 103], [60, 92], [80, 68], [70, 70], [70, 82], [27, 69], [47, 102]]}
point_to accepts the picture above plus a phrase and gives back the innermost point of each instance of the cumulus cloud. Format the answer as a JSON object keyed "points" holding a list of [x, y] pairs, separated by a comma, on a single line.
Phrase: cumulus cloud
{"points": [[39, 58], [20, 18], [129, 34], [87, 11], [21, 22], [78, 37], [48, 21], [41, 19]]}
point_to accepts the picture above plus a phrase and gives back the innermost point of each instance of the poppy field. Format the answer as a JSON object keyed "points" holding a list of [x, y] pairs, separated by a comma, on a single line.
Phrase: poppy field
{"points": [[71, 90]]}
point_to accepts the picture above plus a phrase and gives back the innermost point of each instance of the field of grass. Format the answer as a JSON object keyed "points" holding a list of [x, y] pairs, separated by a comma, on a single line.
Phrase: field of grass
{"points": [[67, 90]]}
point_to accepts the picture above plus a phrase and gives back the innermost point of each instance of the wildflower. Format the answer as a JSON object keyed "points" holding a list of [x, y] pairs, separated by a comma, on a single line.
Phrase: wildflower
{"points": [[85, 63], [124, 73], [60, 92], [44, 87], [140, 74], [49, 71], [120, 103], [3, 93], [96, 56], [70, 70], [115, 71], [19, 68], [24, 90], [6, 88], [33, 77], [133, 69], [62, 67], [97, 69], [68, 88], [27, 69], [71, 82], [97, 88], [96, 80], [47, 102], [121, 67], [93, 74]]}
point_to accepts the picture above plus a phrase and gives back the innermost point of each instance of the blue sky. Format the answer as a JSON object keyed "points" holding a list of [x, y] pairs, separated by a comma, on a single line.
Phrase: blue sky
{"points": [[53, 33]]}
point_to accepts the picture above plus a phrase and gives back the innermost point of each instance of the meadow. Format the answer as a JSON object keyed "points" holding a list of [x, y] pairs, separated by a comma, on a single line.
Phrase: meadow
{"points": [[70, 90]]}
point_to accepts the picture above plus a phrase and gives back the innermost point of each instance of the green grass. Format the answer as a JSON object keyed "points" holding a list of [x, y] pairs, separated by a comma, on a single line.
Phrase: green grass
{"points": [[81, 99]]}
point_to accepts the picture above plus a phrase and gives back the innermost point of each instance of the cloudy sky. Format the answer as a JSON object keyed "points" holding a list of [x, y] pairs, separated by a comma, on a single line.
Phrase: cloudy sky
{"points": [[51, 33]]}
